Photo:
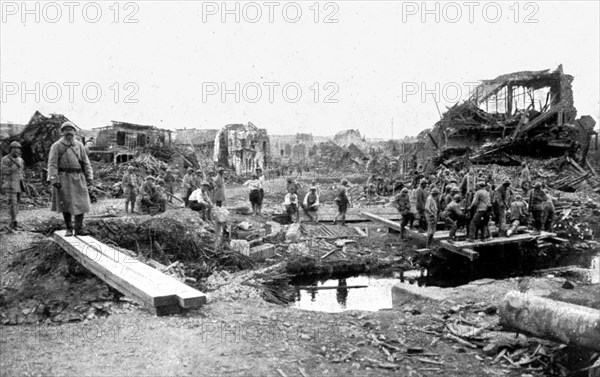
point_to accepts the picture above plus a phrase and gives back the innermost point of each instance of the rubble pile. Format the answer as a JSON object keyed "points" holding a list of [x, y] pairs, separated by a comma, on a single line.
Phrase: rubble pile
{"points": [[45, 284]]}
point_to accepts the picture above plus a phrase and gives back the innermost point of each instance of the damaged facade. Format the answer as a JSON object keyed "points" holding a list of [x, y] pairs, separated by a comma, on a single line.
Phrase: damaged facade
{"points": [[242, 148], [130, 136], [291, 148], [521, 113], [203, 141]]}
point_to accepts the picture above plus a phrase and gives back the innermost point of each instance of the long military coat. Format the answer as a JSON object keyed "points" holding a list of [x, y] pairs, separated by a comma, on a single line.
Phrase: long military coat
{"points": [[63, 162]]}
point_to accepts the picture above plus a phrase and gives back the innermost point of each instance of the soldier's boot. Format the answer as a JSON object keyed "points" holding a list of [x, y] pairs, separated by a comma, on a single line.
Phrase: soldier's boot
{"points": [[79, 225], [68, 223]]}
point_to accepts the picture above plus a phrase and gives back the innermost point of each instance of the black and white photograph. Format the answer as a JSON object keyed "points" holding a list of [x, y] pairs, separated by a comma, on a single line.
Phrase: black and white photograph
{"points": [[300, 188]]}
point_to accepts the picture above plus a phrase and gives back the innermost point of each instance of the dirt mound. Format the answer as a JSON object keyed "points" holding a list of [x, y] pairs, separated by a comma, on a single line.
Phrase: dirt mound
{"points": [[43, 283]]}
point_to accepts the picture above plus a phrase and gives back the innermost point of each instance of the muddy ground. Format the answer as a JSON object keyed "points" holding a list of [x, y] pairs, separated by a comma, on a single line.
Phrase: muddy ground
{"points": [[236, 333]]}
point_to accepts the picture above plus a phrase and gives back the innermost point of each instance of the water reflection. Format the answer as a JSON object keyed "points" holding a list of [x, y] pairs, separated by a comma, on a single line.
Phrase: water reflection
{"points": [[343, 294]]}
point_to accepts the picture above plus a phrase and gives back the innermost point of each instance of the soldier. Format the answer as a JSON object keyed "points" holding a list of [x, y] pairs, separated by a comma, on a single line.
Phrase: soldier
{"points": [[343, 202], [548, 215], [161, 194], [219, 188], [200, 201], [292, 185], [12, 175], [291, 206], [255, 198], [481, 203], [525, 179], [261, 178], [402, 202], [170, 184], [130, 187], [150, 195], [518, 214], [537, 197], [446, 198], [467, 190], [421, 198], [188, 182], [502, 199], [431, 211], [452, 215], [70, 173], [310, 205]]}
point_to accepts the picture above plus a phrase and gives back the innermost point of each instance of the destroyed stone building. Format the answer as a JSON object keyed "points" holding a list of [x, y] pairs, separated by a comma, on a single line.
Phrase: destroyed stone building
{"points": [[347, 137], [242, 148], [291, 148], [203, 140], [129, 136], [118, 141], [521, 113]]}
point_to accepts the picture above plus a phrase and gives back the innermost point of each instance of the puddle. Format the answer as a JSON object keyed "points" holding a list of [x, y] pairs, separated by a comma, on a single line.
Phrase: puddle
{"points": [[373, 293], [375, 296]]}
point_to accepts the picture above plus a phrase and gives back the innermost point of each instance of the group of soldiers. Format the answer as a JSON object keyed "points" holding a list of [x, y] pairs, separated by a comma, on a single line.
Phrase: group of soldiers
{"points": [[311, 203], [473, 203], [198, 192], [69, 173]]}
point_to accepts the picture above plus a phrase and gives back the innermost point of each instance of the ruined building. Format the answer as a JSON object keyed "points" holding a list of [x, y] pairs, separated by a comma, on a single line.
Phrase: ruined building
{"points": [[521, 113], [291, 148], [242, 148], [130, 136], [202, 140], [37, 137]]}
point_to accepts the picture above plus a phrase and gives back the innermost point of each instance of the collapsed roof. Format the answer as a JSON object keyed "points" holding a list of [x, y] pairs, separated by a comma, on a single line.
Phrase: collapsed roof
{"points": [[522, 113]]}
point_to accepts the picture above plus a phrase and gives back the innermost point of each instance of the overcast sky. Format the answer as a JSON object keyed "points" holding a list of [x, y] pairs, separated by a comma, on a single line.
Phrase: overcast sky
{"points": [[369, 67]]}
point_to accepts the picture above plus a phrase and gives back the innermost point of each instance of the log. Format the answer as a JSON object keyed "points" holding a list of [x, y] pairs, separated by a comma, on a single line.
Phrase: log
{"points": [[545, 318]]}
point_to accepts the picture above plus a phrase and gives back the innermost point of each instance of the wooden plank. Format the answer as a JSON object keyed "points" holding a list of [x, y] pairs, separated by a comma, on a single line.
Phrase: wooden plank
{"points": [[390, 224], [469, 253], [117, 275], [328, 214], [591, 168], [460, 246], [188, 297]]}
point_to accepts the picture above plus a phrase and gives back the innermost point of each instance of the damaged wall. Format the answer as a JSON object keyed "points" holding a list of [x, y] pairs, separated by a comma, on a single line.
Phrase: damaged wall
{"points": [[242, 148], [129, 136]]}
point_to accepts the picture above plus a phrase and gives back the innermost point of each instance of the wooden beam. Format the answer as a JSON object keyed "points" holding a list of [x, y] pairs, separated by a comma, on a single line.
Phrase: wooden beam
{"points": [[469, 253], [328, 214], [187, 296], [117, 275], [390, 224]]}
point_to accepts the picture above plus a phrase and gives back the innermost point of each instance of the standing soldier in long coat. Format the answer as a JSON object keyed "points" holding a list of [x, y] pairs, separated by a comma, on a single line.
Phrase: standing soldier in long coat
{"points": [[12, 180], [219, 188], [421, 199], [70, 173]]}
